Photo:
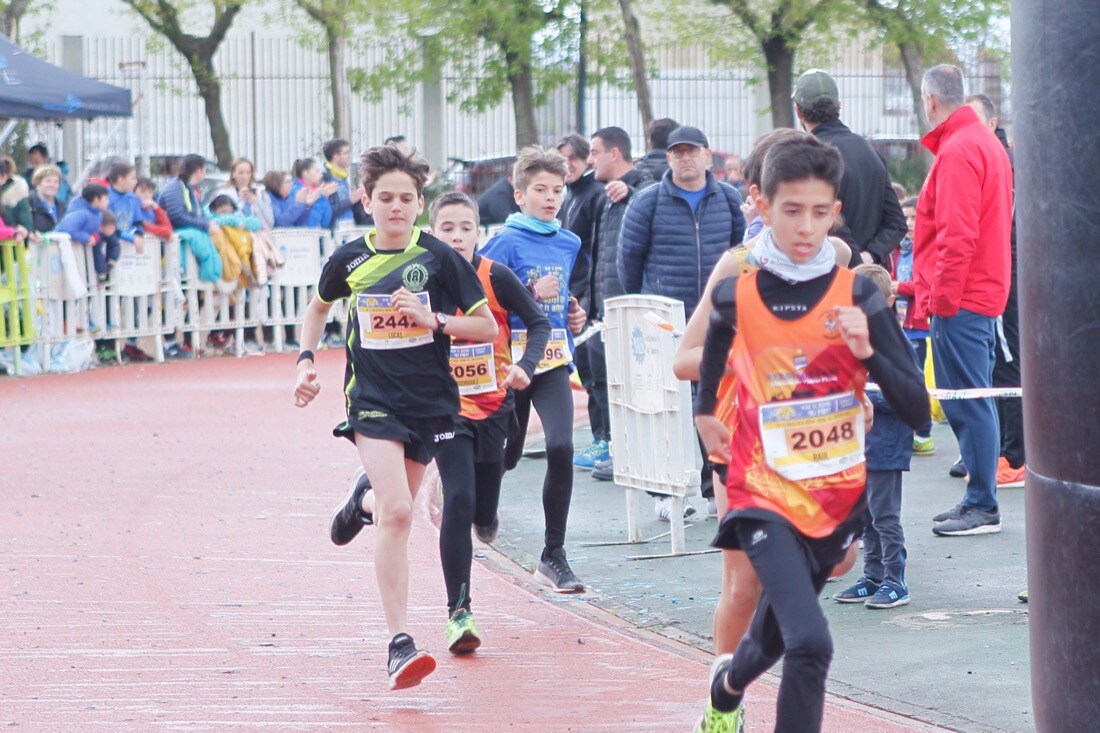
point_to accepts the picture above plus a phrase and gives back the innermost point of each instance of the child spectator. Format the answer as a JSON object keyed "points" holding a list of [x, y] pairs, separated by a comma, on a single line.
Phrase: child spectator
{"points": [[129, 215], [917, 330], [84, 223], [156, 222], [237, 228], [888, 450]]}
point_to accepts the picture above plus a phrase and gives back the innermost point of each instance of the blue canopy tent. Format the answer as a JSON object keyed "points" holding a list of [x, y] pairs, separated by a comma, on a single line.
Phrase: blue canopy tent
{"points": [[32, 89]]}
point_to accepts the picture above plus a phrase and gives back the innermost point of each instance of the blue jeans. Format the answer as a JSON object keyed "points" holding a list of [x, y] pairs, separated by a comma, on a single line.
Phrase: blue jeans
{"points": [[963, 354]]}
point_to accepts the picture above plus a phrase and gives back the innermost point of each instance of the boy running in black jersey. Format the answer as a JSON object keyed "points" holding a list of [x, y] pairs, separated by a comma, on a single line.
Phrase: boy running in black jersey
{"points": [[471, 463], [401, 398]]}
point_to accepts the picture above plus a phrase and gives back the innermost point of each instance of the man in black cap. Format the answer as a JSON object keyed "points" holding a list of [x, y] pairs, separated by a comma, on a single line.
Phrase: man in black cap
{"points": [[674, 233], [873, 224]]}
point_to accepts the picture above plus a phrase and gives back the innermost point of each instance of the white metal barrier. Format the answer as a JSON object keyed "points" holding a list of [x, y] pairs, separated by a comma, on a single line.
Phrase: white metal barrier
{"points": [[654, 447], [61, 278], [295, 283]]}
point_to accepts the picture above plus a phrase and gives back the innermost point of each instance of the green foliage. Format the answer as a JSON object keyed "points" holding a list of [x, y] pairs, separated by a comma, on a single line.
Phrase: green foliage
{"points": [[481, 43], [937, 27]]}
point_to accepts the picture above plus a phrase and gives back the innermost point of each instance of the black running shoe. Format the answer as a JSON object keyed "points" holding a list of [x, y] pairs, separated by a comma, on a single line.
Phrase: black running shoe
{"points": [[555, 573], [408, 665], [958, 469], [488, 533], [349, 517]]}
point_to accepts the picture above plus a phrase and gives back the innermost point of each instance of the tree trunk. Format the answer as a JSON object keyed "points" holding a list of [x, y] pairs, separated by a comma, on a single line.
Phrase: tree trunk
{"points": [[338, 80], [9, 19], [912, 58], [780, 59], [523, 102], [211, 92], [637, 63]]}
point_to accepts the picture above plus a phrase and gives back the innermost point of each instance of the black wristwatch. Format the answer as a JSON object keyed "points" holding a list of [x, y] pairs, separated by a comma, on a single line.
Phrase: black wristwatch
{"points": [[441, 322]]}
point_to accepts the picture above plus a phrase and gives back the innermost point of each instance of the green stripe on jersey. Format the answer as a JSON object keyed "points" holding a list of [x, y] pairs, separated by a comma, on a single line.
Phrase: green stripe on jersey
{"points": [[364, 277]]}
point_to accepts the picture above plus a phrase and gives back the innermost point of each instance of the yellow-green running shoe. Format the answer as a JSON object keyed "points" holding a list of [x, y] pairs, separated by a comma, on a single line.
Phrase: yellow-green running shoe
{"points": [[923, 446], [462, 636], [715, 721], [1022, 595]]}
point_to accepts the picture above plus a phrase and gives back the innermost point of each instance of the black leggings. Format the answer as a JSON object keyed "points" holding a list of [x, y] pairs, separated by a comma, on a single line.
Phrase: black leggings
{"points": [[471, 492], [552, 396], [789, 621]]}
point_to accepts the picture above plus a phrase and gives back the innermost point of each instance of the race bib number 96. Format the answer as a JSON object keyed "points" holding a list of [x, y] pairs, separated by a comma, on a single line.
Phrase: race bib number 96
{"points": [[556, 354], [814, 437], [382, 326]]}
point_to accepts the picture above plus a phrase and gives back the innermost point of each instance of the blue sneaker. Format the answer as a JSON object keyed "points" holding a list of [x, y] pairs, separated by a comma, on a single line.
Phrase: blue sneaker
{"points": [[888, 595], [597, 450], [863, 589]]}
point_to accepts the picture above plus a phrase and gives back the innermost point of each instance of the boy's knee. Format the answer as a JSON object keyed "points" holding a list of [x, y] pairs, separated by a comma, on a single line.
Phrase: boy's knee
{"points": [[459, 506], [395, 513], [743, 597], [559, 450], [815, 647]]}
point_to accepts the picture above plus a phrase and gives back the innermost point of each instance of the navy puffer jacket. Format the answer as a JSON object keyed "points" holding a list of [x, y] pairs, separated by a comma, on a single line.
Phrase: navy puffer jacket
{"points": [[667, 249]]}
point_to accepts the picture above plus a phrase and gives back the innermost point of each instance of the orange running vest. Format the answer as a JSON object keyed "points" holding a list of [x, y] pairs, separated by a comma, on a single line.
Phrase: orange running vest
{"points": [[484, 405], [798, 421]]}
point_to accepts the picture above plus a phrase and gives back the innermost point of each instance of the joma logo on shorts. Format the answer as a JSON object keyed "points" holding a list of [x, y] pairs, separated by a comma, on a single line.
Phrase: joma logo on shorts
{"points": [[371, 414], [440, 437]]}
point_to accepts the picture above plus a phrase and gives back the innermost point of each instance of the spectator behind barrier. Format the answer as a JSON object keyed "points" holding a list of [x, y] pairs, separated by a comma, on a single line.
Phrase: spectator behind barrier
{"points": [[38, 156], [347, 202], [157, 222], [47, 209], [129, 214], [183, 204], [246, 193], [308, 178], [286, 210], [237, 228], [13, 196]]}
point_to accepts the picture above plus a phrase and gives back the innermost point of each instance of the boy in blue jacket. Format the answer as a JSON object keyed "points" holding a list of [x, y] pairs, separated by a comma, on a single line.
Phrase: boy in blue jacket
{"points": [[130, 216], [541, 254], [83, 225], [888, 451]]}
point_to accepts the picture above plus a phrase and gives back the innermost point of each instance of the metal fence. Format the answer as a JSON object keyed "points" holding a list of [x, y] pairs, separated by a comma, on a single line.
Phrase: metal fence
{"points": [[277, 106]]}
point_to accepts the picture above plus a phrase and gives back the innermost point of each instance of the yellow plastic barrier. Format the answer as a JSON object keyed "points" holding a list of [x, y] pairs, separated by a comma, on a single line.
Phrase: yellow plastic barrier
{"points": [[16, 304]]}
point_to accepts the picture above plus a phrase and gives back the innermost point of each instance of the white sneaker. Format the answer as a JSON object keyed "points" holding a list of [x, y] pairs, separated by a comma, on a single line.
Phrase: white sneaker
{"points": [[662, 507], [712, 508]]}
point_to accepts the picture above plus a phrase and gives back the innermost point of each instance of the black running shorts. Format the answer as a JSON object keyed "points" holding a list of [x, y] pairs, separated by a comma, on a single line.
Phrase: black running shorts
{"points": [[420, 435]]}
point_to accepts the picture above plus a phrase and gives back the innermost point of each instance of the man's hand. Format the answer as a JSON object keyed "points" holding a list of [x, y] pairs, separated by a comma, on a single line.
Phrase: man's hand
{"points": [[715, 436], [307, 386], [852, 324], [547, 287], [517, 378], [617, 191], [409, 305], [868, 414], [327, 189], [867, 258], [748, 208]]}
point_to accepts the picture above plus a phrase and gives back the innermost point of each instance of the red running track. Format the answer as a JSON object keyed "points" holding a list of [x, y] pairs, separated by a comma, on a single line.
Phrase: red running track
{"points": [[166, 566]]}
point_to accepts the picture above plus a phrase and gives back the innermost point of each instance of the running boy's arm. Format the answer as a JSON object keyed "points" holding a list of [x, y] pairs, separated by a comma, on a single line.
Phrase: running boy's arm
{"points": [[891, 365], [518, 300], [720, 333], [331, 286], [689, 354]]}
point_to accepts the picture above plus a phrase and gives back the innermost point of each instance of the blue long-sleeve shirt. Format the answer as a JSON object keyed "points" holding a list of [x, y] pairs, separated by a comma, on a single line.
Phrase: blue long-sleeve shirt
{"points": [[130, 217], [288, 212], [320, 213], [81, 224]]}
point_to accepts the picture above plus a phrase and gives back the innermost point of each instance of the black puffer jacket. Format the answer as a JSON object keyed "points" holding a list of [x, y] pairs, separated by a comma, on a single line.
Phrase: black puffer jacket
{"points": [[609, 222], [655, 163], [579, 216], [497, 203]]}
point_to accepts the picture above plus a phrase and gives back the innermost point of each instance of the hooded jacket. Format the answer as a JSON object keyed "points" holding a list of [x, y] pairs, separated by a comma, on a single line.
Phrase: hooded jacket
{"points": [[579, 216], [668, 249]]}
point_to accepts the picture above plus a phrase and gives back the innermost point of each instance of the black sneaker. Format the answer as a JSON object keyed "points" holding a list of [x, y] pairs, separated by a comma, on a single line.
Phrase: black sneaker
{"points": [[134, 353], [958, 469], [408, 665], [175, 351], [349, 517], [953, 513], [971, 521], [488, 533], [555, 573], [604, 470]]}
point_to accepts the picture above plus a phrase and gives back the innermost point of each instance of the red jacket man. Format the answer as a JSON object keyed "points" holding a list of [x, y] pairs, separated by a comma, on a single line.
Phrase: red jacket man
{"points": [[961, 256]]}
